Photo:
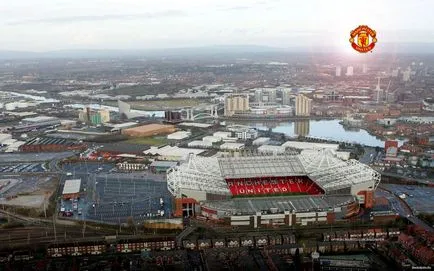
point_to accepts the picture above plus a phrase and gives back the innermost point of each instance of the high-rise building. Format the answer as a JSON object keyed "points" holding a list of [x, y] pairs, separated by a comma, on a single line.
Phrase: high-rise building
{"points": [[94, 117], [303, 105], [378, 92], [271, 95], [350, 71], [286, 96], [258, 96], [406, 75], [236, 103], [365, 68], [338, 71]]}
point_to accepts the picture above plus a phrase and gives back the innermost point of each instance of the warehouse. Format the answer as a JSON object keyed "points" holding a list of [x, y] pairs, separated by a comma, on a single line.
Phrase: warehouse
{"points": [[212, 139], [232, 146], [149, 130], [4, 138], [71, 189], [179, 135], [270, 149], [200, 144], [261, 141], [50, 144]]}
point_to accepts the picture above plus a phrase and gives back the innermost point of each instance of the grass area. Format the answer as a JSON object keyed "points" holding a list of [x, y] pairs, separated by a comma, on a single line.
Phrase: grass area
{"points": [[153, 141], [161, 104]]}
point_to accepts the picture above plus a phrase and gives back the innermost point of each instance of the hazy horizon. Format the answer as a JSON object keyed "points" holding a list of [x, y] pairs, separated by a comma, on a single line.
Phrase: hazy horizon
{"points": [[137, 25]]}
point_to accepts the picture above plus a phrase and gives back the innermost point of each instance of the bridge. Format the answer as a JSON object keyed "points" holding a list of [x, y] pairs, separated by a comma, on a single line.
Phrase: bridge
{"points": [[212, 114]]}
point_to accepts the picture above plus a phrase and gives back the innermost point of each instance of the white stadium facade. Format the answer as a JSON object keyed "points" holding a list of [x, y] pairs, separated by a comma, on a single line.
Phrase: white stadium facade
{"points": [[313, 186]]}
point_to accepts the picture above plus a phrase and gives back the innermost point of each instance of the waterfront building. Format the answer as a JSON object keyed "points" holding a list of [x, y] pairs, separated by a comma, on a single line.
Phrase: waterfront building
{"points": [[303, 105], [236, 103]]}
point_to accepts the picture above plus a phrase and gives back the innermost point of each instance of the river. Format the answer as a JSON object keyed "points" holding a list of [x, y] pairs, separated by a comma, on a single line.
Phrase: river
{"points": [[328, 129]]}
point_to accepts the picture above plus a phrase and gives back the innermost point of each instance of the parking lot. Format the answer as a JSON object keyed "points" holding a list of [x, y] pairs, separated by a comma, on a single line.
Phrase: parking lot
{"points": [[419, 198], [113, 197], [121, 196], [33, 157], [22, 168], [87, 168]]}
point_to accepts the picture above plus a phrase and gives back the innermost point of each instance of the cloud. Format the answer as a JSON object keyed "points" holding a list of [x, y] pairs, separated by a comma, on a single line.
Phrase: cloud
{"points": [[88, 18], [236, 8]]}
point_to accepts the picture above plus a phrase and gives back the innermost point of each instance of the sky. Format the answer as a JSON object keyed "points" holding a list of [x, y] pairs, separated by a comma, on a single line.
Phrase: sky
{"points": [[47, 25]]}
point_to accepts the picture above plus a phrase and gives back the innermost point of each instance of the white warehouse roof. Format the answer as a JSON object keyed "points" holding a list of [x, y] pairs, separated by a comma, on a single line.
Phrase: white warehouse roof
{"points": [[5, 137], [71, 186], [232, 146], [179, 135], [261, 141], [271, 149], [309, 145], [200, 144]]}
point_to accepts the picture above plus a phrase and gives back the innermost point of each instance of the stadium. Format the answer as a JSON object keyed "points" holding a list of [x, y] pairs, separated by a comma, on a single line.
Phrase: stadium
{"points": [[294, 188]]}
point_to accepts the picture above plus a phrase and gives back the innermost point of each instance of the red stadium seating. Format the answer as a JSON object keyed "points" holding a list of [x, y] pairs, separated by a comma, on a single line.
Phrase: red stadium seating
{"points": [[273, 186]]}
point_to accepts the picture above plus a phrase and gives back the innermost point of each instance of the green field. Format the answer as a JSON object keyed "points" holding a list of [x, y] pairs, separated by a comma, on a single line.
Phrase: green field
{"points": [[153, 141]]}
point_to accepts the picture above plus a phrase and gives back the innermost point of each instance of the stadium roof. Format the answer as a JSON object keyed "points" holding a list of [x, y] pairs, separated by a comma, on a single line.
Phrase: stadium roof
{"points": [[291, 203], [261, 166], [322, 166], [71, 186]]}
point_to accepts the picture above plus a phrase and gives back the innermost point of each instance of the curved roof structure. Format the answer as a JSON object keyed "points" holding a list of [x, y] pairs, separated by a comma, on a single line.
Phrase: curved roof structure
{"points": [[322, 166], [198, 173]]}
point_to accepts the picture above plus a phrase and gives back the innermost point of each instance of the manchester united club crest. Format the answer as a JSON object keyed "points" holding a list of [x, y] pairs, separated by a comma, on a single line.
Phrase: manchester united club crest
{"points": [[363, 39]]}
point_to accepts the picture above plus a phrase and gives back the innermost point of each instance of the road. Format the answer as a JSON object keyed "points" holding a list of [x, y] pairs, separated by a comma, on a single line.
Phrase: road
{"points": [[399, 206]]}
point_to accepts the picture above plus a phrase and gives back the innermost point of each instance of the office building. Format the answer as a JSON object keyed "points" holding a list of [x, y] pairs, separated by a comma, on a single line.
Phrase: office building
{"points": [[235, 103], [94, 117], [303, 105], [338, 71], [350, 71], [271, 93], [258, 95], [286, 96]]}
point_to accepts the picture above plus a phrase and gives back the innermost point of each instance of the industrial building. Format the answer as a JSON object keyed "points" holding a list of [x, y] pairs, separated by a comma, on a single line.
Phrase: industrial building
{"points": [[49, 144], [261, 141], [149, 130], [35, 123], [172, 153], [271, 149], [71, 189], [200, 144], [179, 135]]}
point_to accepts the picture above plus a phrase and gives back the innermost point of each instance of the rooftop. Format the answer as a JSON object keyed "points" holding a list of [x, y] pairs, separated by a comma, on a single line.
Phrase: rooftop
{"points": [[39, 119], [292, 203], [149, 127], [261, 166], [164, 164], [72, 186]]}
